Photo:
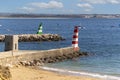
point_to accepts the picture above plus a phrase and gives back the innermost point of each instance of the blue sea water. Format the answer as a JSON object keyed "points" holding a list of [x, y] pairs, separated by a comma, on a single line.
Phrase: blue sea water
{"points": [[100, 37]]}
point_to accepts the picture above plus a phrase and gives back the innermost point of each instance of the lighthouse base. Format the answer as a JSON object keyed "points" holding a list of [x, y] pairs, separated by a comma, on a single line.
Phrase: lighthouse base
{"points": [[76, 48]]}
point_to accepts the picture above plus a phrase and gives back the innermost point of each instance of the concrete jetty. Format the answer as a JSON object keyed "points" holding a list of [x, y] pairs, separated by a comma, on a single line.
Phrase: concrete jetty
{"points": [[31, 57], [35, 37]]}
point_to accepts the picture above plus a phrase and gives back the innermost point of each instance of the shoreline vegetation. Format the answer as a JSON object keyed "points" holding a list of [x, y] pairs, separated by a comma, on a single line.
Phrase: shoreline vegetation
{"points": [[15, 15]]}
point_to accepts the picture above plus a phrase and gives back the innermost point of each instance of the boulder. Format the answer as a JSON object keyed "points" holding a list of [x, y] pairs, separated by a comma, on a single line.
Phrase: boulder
{"points": [[5, 73]]}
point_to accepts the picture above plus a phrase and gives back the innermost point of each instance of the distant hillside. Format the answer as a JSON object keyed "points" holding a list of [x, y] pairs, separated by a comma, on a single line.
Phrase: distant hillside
{"points": [[10, 15]]}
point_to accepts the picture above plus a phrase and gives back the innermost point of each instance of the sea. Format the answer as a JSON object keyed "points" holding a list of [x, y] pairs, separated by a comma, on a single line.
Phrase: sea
{"points": [[99, 37]]}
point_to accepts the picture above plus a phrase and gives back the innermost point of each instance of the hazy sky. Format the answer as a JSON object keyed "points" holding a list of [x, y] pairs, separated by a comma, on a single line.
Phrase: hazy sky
{"points": [[61, 6]]}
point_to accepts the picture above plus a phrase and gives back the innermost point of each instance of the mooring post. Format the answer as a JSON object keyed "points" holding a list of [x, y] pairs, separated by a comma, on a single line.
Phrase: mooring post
{"points": [[11, 43], [75, 39]]}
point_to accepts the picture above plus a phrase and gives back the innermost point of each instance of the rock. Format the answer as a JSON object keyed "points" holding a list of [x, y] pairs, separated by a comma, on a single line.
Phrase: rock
{"points": [[5, 73]]}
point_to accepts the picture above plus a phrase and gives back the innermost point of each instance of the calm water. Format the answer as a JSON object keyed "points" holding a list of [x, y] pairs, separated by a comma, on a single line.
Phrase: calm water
{"points": [[101, 38]]}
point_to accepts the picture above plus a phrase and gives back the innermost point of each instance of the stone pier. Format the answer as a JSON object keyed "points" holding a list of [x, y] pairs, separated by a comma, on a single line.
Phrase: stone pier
{"points": [[35, 37], [40, 56]]}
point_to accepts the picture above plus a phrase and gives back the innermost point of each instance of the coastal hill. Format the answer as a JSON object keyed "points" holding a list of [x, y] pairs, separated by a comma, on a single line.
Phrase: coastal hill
{"points": [[16, 15]]}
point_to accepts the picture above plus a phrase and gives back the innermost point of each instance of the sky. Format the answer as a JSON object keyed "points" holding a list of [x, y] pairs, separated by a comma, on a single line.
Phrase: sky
{"points": [[60, 6]]}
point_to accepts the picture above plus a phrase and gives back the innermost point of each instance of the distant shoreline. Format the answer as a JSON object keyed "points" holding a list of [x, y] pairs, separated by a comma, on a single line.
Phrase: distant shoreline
{"points": [[50, 18], [32, 18], [13, 15]]}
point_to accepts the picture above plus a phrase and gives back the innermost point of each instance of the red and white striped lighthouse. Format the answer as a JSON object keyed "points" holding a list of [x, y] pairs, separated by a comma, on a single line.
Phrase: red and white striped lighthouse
{"points": [[75, 38]]}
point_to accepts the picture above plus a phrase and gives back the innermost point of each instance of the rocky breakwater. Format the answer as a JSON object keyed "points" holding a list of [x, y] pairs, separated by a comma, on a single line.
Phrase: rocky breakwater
{"points": [[35, 37], [53, 59]]}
